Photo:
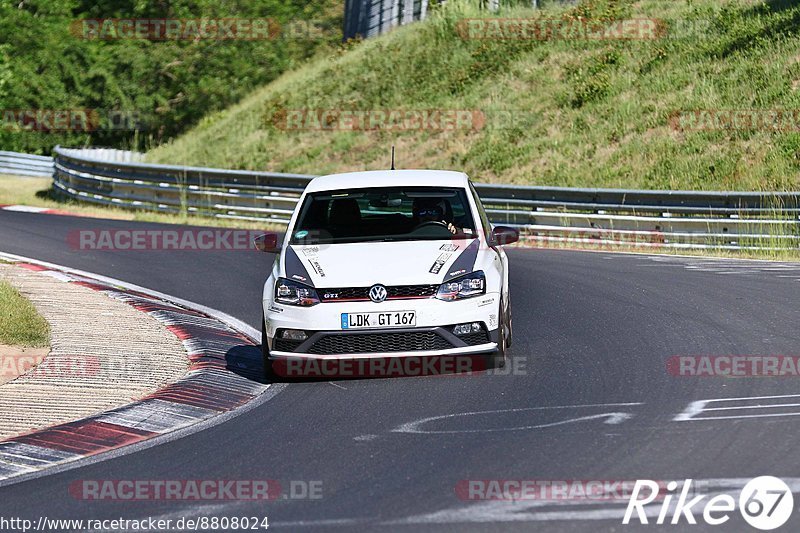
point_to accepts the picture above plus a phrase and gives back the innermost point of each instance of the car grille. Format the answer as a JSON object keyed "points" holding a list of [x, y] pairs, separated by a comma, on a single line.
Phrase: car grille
{"points": [[396, 292], [379, 342], [285, 345], [473, 339]]}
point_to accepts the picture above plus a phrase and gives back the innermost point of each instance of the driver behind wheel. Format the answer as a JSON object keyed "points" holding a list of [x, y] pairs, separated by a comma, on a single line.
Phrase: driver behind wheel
{"points": [[432, 211]]}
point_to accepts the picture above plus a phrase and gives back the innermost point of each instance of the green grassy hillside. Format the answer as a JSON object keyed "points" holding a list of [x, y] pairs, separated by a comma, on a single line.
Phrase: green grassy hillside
{"points": [[572, 112]]}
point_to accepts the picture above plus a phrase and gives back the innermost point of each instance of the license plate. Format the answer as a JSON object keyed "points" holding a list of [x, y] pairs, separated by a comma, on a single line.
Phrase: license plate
{"points": [[387, 319]]}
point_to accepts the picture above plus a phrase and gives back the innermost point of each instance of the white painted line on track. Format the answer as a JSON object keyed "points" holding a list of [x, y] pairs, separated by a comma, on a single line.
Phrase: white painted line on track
{"points": [[769, 406], [615, 417], [698, 407], [25, 209]]}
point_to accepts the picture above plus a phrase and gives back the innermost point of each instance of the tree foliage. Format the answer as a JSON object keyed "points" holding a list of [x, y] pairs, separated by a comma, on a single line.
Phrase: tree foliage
{"points": [[159, 88]]}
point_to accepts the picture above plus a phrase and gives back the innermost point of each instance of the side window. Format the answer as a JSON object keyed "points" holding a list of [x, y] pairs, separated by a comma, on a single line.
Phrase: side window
{"points": [[487, 226]]}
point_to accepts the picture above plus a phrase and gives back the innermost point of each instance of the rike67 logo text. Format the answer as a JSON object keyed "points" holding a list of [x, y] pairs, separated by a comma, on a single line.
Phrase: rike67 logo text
{"points": [[765, 503]]}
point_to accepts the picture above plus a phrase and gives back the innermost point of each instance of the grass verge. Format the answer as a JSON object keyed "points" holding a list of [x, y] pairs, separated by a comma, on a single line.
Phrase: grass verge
{"points": [[20, 324]]}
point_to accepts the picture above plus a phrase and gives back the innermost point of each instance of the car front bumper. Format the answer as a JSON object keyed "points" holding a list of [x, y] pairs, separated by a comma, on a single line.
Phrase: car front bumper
{"points": [[431, 336]]}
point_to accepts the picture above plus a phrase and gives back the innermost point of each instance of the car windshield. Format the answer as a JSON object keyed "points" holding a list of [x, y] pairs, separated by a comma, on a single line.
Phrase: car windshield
{"points": [[384, 214]]}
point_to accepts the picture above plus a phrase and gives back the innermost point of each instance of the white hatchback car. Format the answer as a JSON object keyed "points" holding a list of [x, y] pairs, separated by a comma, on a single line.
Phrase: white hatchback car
{"points": [[387, 264]]}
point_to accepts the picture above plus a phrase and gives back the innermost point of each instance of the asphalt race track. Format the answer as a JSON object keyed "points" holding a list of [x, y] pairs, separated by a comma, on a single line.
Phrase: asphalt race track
{"points": [[589, 398]]}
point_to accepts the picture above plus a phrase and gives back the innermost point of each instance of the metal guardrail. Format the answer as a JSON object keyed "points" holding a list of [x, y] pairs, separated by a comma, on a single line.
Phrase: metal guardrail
{"points": [[25, 164], [547, 216]]}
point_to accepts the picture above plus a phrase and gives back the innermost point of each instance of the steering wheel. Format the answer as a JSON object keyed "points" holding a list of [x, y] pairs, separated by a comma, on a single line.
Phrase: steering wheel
{"points": [[431, 223]]}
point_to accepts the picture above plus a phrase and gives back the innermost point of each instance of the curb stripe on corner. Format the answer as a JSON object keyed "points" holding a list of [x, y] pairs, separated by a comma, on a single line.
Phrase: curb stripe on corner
{"points": [[222, 363]]}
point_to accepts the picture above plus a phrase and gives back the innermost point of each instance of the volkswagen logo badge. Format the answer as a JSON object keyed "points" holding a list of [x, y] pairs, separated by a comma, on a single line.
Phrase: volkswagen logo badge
{"points": [[377, 293]]}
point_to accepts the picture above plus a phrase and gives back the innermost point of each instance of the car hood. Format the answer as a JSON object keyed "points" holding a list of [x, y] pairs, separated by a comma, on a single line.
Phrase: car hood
{"points": [[387, 263]]}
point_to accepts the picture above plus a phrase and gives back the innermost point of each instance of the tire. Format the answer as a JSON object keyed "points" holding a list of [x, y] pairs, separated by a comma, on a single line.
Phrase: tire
{"points": [[510, 325], [499, 357], [269, 371]]}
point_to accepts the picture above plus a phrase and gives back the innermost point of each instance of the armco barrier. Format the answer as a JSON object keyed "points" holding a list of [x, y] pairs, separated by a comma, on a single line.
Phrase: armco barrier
{"points": [[25, 164], [545, 215]]}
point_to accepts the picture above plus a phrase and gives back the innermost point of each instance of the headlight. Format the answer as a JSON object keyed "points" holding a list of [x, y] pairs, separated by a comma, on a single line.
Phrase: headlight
{"points": [[292, 293], [464, 287]]}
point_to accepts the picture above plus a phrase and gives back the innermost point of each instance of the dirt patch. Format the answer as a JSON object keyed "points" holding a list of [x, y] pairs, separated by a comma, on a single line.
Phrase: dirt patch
{"points": [[16, 361]]}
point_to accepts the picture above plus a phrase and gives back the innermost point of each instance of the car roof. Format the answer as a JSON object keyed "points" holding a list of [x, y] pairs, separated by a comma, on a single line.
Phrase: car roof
{"points": [[388, 178]]}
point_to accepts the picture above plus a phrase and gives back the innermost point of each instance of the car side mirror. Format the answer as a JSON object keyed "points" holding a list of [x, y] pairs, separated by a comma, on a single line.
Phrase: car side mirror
{"points": [[502, 235], [267, 242]]}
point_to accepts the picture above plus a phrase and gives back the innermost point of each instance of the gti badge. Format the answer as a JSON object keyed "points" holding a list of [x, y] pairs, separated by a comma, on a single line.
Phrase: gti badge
{"points": [[377, 293]]}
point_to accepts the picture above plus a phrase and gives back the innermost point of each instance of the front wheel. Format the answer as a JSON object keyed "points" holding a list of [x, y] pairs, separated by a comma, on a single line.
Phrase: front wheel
{"points": [[510, 324], [504, 329]]}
